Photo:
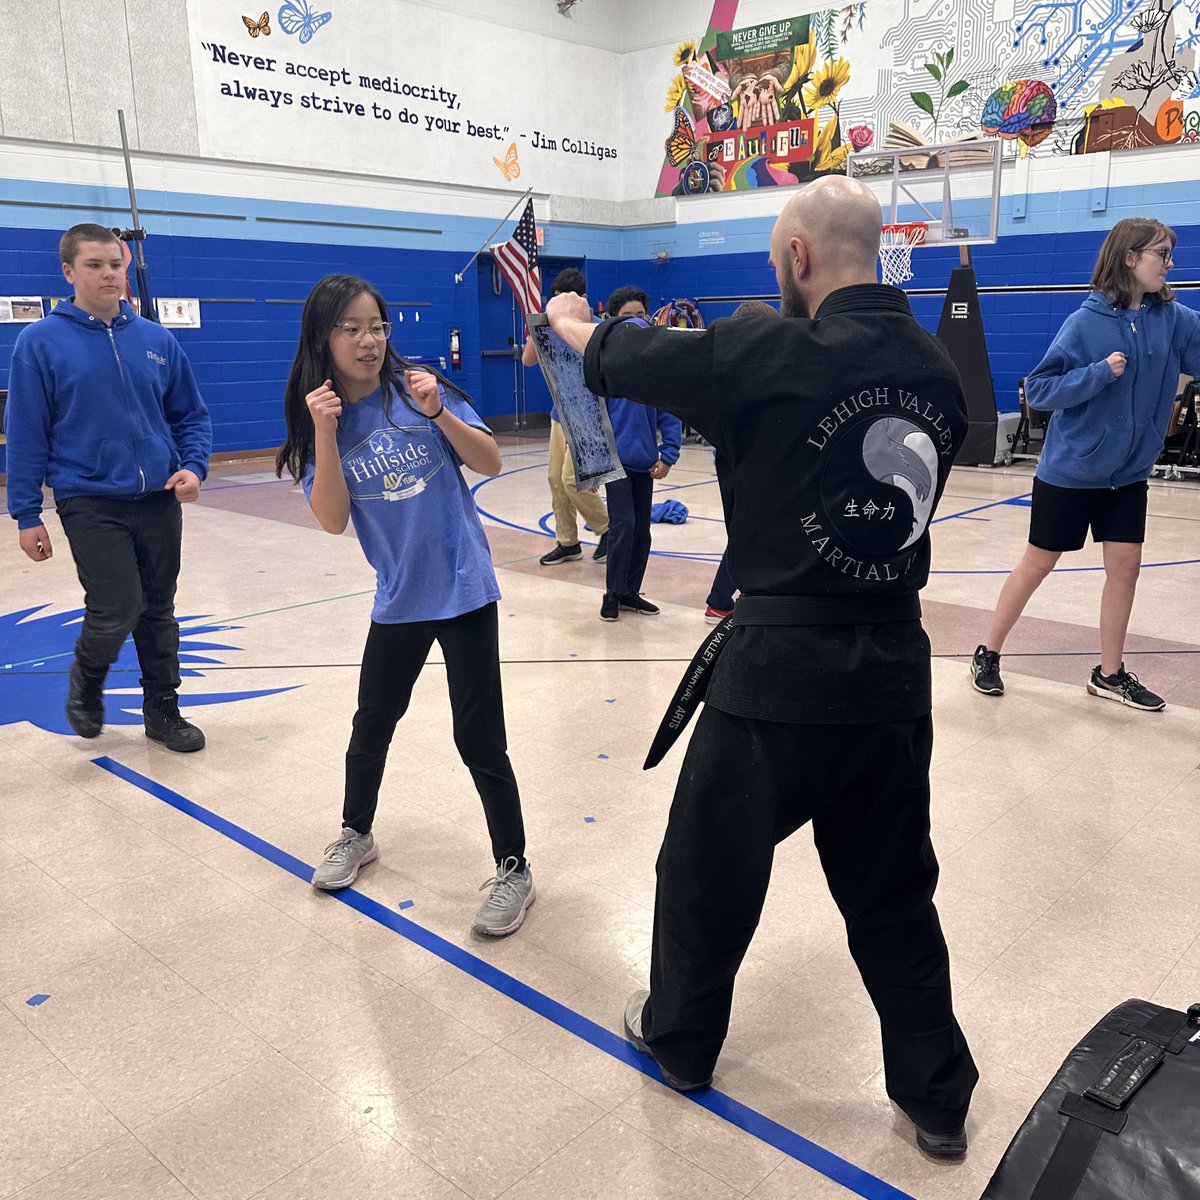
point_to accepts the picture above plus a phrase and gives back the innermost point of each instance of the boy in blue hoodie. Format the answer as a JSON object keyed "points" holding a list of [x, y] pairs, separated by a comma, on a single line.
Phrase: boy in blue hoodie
{"points": [[1110, 378], [645, 457], [103, 408]]}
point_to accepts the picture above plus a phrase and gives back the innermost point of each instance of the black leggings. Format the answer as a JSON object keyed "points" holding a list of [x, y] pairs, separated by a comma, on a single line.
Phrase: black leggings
{"points": [[392, 660]]}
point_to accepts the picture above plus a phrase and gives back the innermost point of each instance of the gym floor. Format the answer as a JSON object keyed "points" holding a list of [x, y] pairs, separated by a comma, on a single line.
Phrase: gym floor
{"points": [[182, 1016]]}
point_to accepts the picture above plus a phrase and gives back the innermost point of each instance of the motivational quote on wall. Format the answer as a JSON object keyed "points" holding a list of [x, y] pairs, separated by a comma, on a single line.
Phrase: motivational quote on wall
{"points": [[313, 101]]}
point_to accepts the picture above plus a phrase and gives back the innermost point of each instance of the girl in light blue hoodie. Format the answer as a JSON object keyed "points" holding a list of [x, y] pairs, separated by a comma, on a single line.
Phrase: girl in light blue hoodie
{"points": [[1110, 378]]}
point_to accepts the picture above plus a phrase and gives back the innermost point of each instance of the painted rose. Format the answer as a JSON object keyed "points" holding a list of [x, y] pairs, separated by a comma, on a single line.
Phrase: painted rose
{"points": [[861, 136]]}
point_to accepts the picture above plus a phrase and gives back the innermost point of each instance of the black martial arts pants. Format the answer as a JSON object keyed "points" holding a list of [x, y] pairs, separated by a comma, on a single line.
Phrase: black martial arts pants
{"points": [[746, 785]]}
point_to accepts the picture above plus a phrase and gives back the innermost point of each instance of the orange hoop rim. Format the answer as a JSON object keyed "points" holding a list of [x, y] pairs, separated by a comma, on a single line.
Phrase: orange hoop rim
{"points": [[912, 233]]}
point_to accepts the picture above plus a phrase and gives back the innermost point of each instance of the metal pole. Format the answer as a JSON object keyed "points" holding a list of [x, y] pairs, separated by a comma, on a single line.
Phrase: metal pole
{"points": [[458, 277], [517, 424], [141, 257]]}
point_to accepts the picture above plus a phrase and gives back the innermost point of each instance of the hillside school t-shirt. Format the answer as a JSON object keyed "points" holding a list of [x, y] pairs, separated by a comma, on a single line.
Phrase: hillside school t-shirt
{"points": [[412, 510]]}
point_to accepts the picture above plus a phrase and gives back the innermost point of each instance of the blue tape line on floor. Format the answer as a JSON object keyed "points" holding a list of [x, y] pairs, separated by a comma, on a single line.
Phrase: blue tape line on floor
{"points": [[853, 1178], [40, 998]]}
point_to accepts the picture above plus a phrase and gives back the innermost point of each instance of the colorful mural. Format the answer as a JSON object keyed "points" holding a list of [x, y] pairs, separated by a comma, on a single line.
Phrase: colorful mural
{"points": [[782, 103]]}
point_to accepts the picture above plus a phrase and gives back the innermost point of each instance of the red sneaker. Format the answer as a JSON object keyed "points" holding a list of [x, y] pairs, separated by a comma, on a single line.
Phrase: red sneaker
{"points": [[714, 616]]}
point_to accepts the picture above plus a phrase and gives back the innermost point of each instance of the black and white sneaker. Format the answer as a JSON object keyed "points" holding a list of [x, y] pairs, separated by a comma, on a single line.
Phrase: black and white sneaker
{"points": [[1125, 688], [561, 554], [639, 604], [601, 551], [610, 607], [985, 672]]}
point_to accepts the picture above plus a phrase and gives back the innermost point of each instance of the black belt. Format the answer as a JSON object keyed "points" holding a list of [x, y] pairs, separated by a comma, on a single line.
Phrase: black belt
{"points": [[851, 609]]}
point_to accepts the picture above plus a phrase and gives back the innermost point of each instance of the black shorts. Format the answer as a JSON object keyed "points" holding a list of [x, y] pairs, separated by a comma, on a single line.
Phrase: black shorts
{"points": [[1060, 516]]}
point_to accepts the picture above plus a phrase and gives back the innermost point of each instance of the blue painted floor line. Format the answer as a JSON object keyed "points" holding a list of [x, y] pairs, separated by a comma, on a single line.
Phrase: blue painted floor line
{"points": [[981, 508], [833, 1167]]}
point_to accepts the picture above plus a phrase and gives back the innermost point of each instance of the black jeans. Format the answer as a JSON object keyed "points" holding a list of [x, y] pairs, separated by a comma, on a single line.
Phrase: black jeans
{"points": [[391, 662], [127, 557], [746, 785], [629, 502]]}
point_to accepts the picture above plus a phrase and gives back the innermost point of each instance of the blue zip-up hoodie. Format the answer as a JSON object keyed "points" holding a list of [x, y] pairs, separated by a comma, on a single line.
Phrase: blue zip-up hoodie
{"points": [[636, 429], [99, 410], [1106, 432]]}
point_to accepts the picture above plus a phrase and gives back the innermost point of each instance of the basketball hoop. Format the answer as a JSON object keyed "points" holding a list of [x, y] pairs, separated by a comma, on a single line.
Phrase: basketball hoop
{"points": [[896, 244]]}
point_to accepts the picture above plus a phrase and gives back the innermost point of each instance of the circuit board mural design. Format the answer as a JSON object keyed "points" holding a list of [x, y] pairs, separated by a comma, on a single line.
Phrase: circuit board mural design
{"points": [[785, 102]]}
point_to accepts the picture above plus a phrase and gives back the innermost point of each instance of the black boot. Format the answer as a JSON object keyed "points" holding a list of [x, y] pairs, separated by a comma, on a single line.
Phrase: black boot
{"points": [[85, 701], [164, 724]]}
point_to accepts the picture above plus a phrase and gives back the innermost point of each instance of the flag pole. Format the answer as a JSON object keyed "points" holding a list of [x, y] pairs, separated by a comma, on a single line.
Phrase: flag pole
{"points": [[137, 234], [458, 275]]}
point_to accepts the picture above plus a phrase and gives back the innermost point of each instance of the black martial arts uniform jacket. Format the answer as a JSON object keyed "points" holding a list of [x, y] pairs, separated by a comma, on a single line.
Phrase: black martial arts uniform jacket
{"points": [[837, 434]]}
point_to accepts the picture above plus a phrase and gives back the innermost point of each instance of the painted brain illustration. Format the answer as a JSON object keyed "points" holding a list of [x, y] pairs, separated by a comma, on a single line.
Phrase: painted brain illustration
{"points": [[1023, 109]]}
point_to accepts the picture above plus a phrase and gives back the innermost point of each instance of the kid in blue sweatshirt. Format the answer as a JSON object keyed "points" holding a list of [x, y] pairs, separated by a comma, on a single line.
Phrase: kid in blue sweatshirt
{"points": [[103, 408], [648, 445], [1109, 377]]}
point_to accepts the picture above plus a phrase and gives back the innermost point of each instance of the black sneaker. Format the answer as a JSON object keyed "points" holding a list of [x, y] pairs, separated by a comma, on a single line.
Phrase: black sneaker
{"points": [[942, 1145], [601, 551], [164, 724], [633, 1035], [610, 607], [1124, 687], [561, 554], [985, 672], [85, 702], [639, 604]]}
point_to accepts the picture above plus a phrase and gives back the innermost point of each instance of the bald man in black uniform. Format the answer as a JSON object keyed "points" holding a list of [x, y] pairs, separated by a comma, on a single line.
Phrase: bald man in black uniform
{"points": [[838, 428]]}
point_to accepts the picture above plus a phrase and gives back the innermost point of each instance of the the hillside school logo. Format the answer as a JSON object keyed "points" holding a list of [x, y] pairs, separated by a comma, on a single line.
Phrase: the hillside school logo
{"points": [[394, 463], [36, 654]]}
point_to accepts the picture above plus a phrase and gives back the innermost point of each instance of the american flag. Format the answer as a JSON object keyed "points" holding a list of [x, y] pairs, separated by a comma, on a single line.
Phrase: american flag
{"points": [[518, 262]]}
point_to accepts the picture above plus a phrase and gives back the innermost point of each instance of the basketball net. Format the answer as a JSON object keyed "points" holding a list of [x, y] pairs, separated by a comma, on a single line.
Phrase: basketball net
{"points": [[896, 244]]}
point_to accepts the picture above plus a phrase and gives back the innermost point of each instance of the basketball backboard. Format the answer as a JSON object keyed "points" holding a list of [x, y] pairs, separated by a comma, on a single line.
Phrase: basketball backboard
{"points": [[953, 187]]}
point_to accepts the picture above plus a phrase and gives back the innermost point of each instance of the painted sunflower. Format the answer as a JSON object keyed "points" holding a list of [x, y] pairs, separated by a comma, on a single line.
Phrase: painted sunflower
{"points": [[826, 85], [685, 53], [804, 54], [825, 156], [676, 94]]}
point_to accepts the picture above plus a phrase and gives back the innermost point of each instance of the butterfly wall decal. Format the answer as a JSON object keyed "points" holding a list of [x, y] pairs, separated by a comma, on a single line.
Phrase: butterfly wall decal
{"points": [[508, 164], [298, 16], [262, 25], [682, 140]]}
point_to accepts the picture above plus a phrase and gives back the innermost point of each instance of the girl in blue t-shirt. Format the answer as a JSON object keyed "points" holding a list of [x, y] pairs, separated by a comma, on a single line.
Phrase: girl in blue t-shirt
{"points": [[378, 442]]}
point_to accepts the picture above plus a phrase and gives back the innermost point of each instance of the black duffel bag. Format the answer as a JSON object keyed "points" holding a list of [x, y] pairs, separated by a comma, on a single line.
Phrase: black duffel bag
{"points": [[1121, 1118]]}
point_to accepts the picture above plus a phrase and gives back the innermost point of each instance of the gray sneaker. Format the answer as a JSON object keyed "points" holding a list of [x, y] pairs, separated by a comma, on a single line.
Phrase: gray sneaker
{"points": [[512, 892], [343, 858]]}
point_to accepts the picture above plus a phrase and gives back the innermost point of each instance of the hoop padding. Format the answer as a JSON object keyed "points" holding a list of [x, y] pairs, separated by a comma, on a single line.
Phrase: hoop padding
{"points": [[896, 244]]}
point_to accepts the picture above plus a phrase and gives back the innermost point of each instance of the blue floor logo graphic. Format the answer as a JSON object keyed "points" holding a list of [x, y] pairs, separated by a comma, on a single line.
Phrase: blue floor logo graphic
{"points": [[36, 655]]}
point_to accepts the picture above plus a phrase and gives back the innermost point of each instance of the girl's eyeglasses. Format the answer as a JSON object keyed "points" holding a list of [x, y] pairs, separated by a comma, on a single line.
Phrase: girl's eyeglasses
{"points": [[1163, 252], [353, 332]]}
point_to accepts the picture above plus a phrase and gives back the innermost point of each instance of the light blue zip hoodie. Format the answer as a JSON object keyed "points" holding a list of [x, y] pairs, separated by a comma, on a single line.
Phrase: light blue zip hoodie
{"points": [[1107, 432], [99, 410]]}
